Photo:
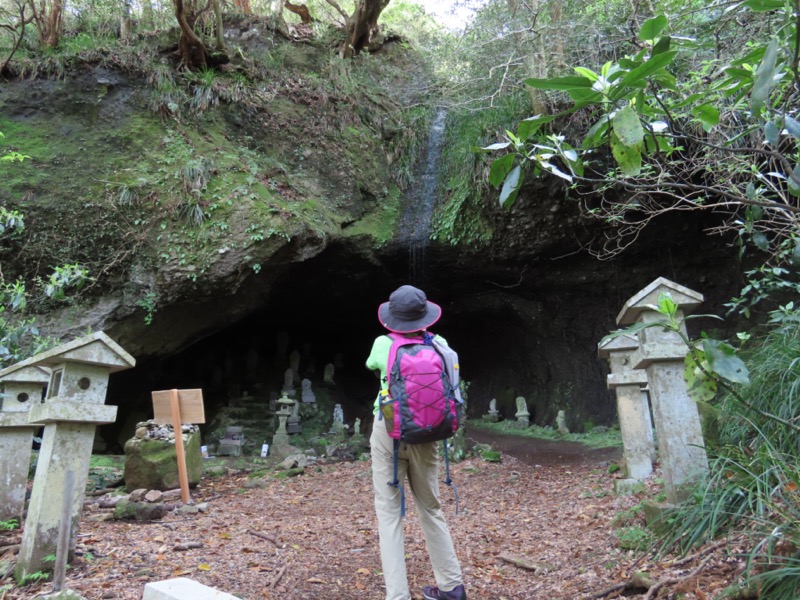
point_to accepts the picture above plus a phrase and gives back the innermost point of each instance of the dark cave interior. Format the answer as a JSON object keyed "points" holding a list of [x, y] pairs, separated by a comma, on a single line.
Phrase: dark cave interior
{"points": [[525, 327]]}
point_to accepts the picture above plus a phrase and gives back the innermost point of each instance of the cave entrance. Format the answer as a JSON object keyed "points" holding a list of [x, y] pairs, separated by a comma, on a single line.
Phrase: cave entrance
{"points": [[523, 327]]}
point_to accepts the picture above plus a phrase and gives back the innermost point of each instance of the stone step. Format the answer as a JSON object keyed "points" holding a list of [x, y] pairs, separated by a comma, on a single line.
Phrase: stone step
{"points": [[182, 588]]}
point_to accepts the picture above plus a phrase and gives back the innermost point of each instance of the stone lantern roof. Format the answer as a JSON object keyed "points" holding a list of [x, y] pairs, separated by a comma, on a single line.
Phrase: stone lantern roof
{"points": [[647, 297]]}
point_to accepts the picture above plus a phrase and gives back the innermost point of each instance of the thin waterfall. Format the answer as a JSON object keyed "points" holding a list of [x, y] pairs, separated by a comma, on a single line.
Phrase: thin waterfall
{"points": [[415, 224]]}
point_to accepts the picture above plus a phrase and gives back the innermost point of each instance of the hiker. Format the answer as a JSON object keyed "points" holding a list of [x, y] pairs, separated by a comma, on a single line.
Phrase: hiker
{"points": [[409, 312]]}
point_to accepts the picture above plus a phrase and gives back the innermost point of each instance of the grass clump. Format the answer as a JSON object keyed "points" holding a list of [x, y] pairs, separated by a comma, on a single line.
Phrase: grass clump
{"points": [[598, 437], [753, 488]]}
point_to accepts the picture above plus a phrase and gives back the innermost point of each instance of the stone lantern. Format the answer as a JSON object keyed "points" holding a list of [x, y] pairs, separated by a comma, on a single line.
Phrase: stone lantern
{"points": [[72, 409], [21, 389], [633, 408], [661, 354]]}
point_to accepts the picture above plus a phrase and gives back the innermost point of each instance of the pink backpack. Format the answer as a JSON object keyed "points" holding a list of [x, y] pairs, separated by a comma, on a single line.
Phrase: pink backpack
{"points": [[423, 401]]}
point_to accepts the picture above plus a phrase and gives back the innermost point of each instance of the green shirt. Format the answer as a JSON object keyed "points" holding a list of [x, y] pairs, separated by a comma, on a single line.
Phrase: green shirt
{"points": [[378, 359]]}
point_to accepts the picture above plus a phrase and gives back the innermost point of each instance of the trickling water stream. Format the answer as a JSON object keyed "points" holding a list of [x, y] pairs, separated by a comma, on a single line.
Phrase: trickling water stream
{"points": [[420, 200]]}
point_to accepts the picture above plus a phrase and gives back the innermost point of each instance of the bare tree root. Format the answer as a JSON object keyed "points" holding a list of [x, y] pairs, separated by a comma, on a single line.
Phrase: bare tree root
{"points": [[651, 593]]}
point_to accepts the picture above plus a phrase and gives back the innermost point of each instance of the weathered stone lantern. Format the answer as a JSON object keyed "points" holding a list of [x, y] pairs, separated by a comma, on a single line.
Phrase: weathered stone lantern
{"points": [[70, 413], [20, 390], [633, 408], [661, 354]]}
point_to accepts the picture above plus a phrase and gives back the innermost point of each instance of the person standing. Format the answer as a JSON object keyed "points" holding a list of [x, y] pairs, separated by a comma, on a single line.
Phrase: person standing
{"points": [[409, 312]]}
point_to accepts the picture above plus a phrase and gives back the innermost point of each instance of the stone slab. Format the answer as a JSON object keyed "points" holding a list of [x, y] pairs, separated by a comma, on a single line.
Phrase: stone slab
{"points": [[16, 419], [632, 377], [67, 411], [653, 353], [182, 588]]}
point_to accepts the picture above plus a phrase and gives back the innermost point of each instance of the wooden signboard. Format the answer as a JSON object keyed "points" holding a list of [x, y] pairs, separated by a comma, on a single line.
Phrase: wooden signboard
{"points": [[190, 406], [178, 407]]}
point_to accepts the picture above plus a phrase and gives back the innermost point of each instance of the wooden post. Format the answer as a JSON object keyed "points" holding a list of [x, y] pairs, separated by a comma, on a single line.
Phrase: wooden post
{"points": [[183, 477], [178, 407]]}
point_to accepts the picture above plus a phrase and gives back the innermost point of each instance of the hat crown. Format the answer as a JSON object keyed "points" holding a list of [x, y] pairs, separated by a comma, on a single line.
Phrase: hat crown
{"points": [[408, 303]]}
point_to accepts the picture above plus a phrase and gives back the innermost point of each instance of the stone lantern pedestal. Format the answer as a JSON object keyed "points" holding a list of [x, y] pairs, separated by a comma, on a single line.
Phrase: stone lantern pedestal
{"points": [[633, 409], [21, 389]]}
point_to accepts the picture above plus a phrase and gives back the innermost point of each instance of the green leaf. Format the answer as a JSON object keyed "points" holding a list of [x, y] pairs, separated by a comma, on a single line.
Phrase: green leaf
{"points": [[792, 126], [511, 187], [640, 73], [794, 188], [500, 168], [652, 27], [708, 115], [764, 5], [761, 241], [628, 127], [723, 361], [596, 133], [662, 45], [762, 83], [771, 133], [588, 73], [628, 158], [497, 146], [531, 125], [699, 386], [560, 83], [667, 306]]}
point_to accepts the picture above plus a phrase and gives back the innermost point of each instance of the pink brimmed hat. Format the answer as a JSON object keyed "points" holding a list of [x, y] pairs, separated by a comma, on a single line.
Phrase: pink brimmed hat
{"points": [[408, 310]]}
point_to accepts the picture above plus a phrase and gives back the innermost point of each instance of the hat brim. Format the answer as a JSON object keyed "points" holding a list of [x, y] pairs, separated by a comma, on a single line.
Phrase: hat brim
{"points": [[432, 313]]}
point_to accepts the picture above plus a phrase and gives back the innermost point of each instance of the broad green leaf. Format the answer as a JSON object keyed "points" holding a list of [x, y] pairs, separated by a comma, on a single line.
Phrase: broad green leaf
{"points": [[723, 361], [762, 83], [761, 241], [628, 127], [500, 168], [588, 73], [497, 146], [531, 125], [794, 188], [584, 97], [699, 386], [662, 45], [596, 133], [560, 83], [708, 115], [792, 126], [771, 133], [764, 5], [640, 73], [511, 187], [652, 27], [628, 158]]}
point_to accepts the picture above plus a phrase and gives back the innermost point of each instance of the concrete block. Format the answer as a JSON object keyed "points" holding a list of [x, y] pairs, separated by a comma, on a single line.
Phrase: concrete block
{"points": [[182, 588]]}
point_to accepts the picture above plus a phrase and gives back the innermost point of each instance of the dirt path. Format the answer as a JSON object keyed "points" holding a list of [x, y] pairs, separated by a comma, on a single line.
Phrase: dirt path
{"points": [[535, 452], [539, 531]]}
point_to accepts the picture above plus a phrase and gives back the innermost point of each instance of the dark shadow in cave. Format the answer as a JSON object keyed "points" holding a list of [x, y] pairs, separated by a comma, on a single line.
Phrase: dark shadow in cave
{"points": [[528, 327]]}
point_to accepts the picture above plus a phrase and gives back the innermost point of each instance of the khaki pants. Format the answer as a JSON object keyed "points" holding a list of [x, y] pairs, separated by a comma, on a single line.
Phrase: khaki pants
{"points": [[418, 463]]}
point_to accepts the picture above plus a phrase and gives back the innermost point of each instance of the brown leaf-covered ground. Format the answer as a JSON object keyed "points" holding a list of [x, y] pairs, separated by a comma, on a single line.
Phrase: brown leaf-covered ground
{"points": [[543, 530]]}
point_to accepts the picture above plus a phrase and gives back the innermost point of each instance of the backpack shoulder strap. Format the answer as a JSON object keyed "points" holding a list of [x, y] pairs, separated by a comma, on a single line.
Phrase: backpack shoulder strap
{"points": [[399, 340]]}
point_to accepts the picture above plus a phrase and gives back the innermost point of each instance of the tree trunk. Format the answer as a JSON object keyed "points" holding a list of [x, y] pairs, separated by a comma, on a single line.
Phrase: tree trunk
{"points": [[276, 10], [362, 26], [220, 28], [125, 21], [54, 21], [192, 50]]}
